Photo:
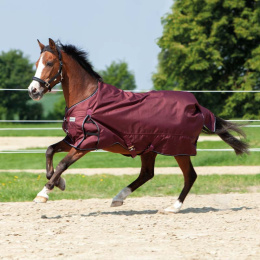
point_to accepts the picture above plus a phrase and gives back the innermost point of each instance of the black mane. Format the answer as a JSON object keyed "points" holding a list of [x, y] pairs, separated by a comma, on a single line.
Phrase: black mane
{"points": [[81, 57]]}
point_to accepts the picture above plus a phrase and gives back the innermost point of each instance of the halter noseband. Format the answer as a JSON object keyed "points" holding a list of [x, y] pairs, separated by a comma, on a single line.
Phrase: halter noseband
{"points": [[54, 78]]}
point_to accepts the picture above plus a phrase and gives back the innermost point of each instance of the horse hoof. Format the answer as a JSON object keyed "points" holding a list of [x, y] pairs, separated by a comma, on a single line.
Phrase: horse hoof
{"points": [[62, 184], [171, 210], [175, 208], [40, 199], [116, 203]]}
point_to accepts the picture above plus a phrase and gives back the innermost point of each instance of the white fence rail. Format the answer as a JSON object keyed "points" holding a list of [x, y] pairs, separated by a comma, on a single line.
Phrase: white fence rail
{"points": [[136, 91], [140, 90], [59, 128], [40, 151]]}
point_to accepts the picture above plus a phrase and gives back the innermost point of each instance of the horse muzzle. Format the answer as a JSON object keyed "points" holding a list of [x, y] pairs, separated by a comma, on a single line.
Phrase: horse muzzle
{"points": [[35, 91]]}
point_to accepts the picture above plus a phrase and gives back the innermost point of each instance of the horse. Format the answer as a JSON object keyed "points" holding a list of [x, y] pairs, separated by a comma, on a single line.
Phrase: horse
{"points": [[101, 116]]}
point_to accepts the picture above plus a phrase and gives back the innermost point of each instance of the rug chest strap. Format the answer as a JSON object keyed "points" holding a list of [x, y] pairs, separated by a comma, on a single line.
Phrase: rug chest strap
{"points": [[89, 120]]}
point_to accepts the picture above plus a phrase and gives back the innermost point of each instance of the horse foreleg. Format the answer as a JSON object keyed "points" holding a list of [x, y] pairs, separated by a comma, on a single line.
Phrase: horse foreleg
{"points": [[52, 149], [147, 173], [189, 178], [55, 179]]}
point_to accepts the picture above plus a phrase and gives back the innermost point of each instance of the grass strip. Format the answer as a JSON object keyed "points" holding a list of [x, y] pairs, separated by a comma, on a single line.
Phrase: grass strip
{"points": [[111, 160], [25, 186]]}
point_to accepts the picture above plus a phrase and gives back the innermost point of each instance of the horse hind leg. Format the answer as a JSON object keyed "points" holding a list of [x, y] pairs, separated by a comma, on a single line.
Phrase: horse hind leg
{"points": [[147, 173], [190, 176]]}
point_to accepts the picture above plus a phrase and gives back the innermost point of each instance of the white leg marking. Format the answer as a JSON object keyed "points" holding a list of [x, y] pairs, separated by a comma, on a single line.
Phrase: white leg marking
{"points": [[175, 208], [42, 196], [120, 197]]}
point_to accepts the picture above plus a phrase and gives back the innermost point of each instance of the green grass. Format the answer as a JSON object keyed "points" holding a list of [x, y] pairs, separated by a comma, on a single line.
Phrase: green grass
{"points": [[25, 186], [111, 160]]}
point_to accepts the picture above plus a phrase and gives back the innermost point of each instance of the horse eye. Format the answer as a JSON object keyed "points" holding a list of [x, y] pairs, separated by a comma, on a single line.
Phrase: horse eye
{"points": [[49, 63]]}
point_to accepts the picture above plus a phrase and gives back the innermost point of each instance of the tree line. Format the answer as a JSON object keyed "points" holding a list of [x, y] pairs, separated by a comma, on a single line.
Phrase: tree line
{"points": [[205, 45]]}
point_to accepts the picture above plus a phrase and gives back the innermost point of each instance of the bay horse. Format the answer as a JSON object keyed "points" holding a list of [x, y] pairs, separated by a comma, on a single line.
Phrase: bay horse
{"points": [[100, 116]]}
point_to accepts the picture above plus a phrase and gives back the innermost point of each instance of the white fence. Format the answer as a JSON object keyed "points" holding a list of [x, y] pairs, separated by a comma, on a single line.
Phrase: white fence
{"points": [[60, 121]]}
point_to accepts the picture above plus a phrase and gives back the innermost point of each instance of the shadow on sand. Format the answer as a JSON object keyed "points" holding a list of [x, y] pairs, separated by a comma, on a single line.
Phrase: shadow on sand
{"points": [[148, 212], [122, 212], [210, 209], [153, 212]]}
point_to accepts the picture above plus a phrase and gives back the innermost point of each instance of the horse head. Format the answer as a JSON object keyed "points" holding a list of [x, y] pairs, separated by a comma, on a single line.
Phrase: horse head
{"points": [[48, 70]]}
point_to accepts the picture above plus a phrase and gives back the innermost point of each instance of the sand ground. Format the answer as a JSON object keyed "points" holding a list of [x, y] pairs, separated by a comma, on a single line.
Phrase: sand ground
{"points": [[208, 227], [13, 143]]}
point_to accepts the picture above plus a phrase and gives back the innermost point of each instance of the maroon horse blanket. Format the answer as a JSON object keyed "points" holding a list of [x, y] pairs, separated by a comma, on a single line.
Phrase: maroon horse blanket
{"points": [[166, 122]]}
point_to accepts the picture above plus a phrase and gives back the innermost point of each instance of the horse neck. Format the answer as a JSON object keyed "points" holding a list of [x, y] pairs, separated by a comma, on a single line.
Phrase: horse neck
{"points": [[77, 84]]}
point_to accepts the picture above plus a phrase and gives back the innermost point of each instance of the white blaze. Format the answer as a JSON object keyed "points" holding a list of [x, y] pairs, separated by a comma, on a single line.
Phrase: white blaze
{"points": [[35, 84], [40, 68]]}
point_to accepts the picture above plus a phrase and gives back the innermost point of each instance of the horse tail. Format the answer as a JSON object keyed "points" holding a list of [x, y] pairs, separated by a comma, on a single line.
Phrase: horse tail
{"points": [[223, 129]]}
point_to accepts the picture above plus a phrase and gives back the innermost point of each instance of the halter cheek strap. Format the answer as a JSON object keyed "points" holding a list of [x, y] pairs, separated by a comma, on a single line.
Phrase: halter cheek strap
{"points": [[54, 78]]}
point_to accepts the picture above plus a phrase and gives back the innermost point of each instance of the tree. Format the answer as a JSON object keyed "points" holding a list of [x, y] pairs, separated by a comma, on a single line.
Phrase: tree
{"points": [[58, 109], [212, 45], [32, 111], [15, 73], [118, 75]]}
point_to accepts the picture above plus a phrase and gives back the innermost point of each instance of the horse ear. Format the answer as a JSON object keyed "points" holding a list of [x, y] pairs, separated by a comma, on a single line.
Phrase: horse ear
{"points": [[41, 45], [52, 44]]}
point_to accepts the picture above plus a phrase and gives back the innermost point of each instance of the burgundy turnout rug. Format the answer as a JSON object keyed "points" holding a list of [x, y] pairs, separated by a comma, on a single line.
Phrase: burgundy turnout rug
{"points": [[166, 122]]}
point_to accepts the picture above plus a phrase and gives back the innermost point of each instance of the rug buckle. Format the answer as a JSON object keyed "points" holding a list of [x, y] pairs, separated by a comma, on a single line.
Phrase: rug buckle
{"points": [[131, 148]]}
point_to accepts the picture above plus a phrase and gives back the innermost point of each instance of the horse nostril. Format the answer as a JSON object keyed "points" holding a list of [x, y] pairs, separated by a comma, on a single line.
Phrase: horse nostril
{"points": [[34, 90]]}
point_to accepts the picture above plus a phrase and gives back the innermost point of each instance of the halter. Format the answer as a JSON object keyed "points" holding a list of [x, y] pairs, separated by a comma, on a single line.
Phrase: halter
{"points": [[54, 78]]}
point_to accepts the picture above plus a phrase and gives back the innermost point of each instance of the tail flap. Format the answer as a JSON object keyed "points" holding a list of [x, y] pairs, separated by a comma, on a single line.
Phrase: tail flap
{"points": [[209, 120]]}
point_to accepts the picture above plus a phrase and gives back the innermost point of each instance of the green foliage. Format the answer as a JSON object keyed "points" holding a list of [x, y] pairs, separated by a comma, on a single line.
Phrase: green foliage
{"points": [[48, 101], [15, 73], [31, 112], [58, 109], [243, 105], [213, 45], [118, 75]]}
